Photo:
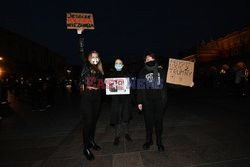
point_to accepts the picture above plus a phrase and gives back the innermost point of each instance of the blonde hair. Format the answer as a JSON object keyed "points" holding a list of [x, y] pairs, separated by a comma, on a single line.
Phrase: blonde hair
{"points": [[98, 68]]}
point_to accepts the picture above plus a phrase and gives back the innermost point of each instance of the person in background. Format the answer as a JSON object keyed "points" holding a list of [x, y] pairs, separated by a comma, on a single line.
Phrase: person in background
{"points": [[151, 98], [1, 96], [50, 90], [17, 88], [37, 93], [241, 79], [121, 105], [5, 89], [91, 76]]}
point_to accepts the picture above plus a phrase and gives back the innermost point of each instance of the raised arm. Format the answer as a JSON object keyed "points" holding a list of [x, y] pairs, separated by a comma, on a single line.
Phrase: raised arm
{"points": [[83, 59], [81, 45]]}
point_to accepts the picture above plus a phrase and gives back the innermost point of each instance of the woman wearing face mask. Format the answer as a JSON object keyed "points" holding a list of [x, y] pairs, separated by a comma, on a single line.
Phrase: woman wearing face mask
{"points": [[92, 78], [121, 107]]}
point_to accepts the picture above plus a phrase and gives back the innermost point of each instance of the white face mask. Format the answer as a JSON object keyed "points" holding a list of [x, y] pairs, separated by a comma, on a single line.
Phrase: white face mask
{"points": [[95, 61]]}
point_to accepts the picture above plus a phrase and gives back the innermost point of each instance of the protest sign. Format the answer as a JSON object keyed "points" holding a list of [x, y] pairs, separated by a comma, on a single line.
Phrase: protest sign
{"points": [[117, 86], [180, 72], [80, 21]]}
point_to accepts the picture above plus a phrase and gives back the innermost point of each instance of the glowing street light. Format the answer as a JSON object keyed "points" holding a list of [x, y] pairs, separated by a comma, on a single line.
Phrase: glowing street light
{"points": [[1, 71], [1, 58]]}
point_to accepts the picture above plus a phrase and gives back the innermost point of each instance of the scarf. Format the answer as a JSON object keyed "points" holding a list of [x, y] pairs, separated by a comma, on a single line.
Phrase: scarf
{"points": [[153, 66]]}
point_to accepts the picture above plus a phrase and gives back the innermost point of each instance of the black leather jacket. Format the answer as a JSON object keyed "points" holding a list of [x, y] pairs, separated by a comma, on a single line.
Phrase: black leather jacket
{"points": [[86, 69], [86, 73]]}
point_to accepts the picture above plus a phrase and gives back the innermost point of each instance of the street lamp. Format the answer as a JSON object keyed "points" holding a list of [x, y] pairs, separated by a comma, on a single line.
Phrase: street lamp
{"points": [[1, 58]]}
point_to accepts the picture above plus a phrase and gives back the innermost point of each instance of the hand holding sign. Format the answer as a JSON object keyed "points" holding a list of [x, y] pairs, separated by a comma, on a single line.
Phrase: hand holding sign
{"points": [[80, 30], [117, 86], [192, 84]]}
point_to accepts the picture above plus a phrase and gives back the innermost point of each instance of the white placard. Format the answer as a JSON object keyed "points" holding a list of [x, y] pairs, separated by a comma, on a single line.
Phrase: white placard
{"points": [[117, 86]]}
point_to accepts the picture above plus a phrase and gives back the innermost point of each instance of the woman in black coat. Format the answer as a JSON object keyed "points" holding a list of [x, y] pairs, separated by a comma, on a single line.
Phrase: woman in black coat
{"points": [[91, 77], [152, 98], [121, 106]]}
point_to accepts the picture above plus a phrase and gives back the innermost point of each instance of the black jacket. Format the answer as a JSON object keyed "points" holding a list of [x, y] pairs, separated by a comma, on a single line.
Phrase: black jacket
{"points": [[145, 91], [86, 73]]}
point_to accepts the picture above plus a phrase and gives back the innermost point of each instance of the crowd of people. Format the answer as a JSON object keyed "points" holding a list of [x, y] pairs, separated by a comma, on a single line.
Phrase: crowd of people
{"points": [[229, 81], [37, 91]]}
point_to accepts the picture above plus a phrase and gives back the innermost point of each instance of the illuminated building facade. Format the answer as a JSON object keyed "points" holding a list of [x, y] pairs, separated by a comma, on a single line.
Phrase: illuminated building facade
{"points": [[228, 49]]}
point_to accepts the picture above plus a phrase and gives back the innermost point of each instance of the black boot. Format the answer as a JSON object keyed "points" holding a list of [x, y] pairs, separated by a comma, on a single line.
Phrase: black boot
{"points": [[161, 148], [160, 145], [149, 141], [88, 154], [95, 146]]}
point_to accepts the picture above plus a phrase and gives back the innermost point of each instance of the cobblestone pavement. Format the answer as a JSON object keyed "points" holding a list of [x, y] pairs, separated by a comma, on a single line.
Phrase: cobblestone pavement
{"points": [[200, 129]]}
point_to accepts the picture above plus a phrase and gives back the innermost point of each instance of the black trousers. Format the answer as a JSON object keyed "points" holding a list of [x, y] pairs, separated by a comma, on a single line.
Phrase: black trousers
{"points": [[153, 116], [91, 101]]}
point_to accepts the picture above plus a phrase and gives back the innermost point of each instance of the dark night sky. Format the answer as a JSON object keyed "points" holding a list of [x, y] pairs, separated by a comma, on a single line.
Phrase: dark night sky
{"points": [[125, 28]]}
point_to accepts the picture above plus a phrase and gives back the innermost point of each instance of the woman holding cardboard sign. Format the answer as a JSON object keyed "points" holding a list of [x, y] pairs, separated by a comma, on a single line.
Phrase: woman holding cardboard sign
{"points": [[91, 76], [121, 107]]}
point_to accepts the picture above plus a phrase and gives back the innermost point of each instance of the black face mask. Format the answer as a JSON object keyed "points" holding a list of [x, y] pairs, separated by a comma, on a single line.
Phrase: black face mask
{"points": [[151, 63]]}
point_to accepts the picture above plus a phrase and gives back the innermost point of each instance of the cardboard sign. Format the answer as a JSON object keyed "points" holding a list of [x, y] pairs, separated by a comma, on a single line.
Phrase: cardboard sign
{"points": [[117, 86], [180, 72], [80, 21]]}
